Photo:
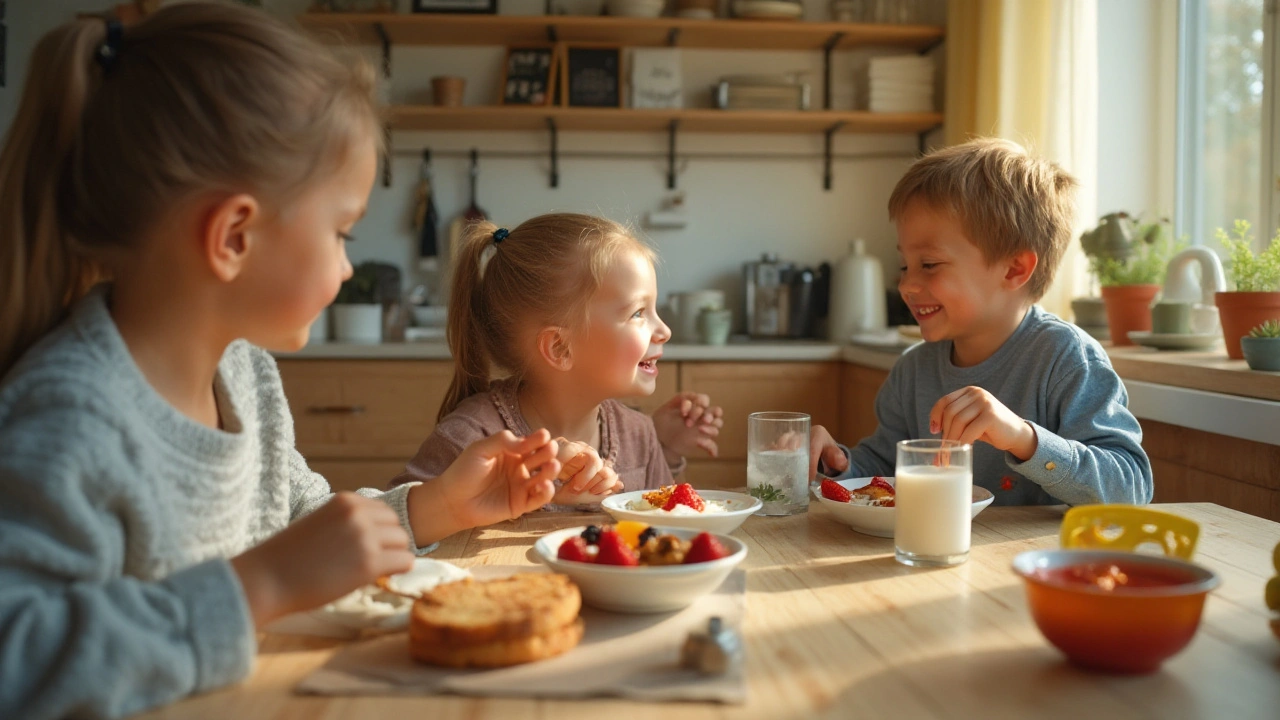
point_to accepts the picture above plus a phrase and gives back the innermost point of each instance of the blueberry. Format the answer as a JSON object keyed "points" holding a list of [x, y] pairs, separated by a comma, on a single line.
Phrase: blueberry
{"points": [[591, 535], [649, 532]]}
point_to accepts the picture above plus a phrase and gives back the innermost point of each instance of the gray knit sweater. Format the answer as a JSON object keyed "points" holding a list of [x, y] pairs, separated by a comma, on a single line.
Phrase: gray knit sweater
{"points": [[118, 516]]}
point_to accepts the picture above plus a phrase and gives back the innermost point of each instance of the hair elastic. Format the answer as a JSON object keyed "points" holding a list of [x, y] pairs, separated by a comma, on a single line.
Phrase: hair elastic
{"points": [[109, 50], [499, 235]]}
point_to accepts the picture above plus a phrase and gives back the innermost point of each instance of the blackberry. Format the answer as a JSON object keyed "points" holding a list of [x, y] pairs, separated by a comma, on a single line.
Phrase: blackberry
{"points": [[648, 532], [591, 535]]}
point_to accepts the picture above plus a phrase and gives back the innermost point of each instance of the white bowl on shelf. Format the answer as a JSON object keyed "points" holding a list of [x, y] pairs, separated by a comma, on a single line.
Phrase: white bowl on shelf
{"points": [[636, 8]]}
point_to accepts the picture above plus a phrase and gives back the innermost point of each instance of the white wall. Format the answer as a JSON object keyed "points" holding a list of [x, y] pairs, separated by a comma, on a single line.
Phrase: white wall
{"points": [[1136, 84]]}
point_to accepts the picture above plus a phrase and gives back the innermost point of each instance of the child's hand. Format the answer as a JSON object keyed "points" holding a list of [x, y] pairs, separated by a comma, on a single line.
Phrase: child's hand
{"points": [[686, 423], [348, 542], [823, 447], [971, 414], [499, 478], [583, 473]]}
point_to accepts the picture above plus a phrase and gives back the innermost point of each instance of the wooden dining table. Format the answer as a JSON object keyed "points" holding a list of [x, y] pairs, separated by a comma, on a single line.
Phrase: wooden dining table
{"points": [[835, 627]]}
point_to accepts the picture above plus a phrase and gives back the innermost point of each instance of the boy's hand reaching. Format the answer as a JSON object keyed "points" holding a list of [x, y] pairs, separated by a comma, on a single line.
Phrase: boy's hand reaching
{"points": [[350, 541], [586, 477], [823, 447], [500, 478], [971, 414], [687, 423]]}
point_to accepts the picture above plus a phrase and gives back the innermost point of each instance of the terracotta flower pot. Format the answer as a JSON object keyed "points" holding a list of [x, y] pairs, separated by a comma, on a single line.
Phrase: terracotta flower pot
{"points": [[1128, 308], [1240, 312]]}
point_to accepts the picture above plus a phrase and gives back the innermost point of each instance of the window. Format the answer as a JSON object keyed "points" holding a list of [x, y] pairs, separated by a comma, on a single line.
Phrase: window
{"points": [[1221, 144]]}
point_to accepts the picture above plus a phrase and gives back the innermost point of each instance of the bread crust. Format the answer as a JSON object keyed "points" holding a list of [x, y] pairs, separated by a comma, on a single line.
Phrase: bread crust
{"points": [[500, 653], [470, 612]]}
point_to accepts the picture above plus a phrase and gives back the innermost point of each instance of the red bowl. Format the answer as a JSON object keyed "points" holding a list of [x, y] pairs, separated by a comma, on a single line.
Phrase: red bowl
{"points": [[1126, 625]]}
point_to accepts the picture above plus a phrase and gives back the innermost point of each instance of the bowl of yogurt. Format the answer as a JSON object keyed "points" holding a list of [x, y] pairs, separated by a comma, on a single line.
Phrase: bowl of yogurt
{"points": [[723, 511]]}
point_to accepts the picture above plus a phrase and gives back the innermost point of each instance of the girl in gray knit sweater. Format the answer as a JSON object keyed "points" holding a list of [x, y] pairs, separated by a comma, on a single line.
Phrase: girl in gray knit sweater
{"points": [[153, 510]]}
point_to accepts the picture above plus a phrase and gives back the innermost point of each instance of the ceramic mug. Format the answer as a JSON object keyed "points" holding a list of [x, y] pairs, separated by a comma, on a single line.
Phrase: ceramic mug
{"points": [[685, 308], [714, 326], [1171, 318]]}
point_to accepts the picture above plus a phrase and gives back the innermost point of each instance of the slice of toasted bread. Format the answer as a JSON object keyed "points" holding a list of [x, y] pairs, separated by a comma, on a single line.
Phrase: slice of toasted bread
{"points": [[470, 612], [500, 653]]}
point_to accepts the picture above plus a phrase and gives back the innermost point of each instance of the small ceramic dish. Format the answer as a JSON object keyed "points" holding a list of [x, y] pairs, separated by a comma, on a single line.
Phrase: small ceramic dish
{"points": [[878, 521], [732, 510]]}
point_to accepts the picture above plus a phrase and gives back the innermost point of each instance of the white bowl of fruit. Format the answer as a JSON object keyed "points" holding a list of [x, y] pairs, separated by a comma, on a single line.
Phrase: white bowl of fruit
{"points": [[632, 567], [716, 511], [867, 504]]}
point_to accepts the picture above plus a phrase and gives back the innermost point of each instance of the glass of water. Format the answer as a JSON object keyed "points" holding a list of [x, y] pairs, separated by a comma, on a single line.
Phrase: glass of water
{"points": [[778, 461], [933, 502]]}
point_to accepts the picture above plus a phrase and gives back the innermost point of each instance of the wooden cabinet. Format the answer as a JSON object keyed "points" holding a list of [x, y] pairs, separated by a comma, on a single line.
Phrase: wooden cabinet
{"points": [[744, 388], [358, 421], [858, 389], [1195, 466]]}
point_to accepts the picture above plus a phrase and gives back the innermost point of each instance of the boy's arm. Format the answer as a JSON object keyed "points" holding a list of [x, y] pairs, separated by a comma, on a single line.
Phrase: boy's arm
{"points": [[1096, 456], [876, 454]]}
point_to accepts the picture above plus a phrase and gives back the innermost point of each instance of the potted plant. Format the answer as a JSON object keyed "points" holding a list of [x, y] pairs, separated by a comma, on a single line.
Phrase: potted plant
{"points": [[1255, 279], [1262, 346], [357, 313], [1128, 258]]}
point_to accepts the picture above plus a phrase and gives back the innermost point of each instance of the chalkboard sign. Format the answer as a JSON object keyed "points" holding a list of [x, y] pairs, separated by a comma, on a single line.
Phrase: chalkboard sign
{"points": [[593, 77], [528, 75]]}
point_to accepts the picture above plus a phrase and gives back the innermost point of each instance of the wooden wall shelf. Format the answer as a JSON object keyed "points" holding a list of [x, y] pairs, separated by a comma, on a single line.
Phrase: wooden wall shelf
{"points": [[509, 117], [723, 34]]}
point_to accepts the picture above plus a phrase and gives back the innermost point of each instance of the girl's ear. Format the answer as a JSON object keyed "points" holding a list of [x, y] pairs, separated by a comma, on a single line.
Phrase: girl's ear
{"points": [[1019, 268], [554, 348], [226, 236]]}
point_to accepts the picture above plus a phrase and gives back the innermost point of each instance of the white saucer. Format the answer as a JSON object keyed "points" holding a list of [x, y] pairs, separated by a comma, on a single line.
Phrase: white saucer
{"points": [[1175, 341]]}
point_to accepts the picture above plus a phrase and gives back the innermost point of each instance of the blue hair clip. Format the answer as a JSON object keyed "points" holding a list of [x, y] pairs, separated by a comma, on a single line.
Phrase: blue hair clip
{"points": [[109, 50], [499, 235]]}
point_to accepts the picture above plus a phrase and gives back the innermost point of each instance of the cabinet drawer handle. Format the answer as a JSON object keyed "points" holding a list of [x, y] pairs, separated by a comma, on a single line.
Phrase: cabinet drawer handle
{"points": [[336, 410]]}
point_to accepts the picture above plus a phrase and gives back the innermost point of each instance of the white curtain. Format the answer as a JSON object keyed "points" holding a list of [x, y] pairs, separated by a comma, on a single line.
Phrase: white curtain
{"points": [[1027, 70]]}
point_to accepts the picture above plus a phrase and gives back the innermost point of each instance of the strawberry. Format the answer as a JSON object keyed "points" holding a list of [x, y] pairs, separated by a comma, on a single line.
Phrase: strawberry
{"points": [[684, 494], [704, 548], [614, 550], [881, 483], [833, 490], [575, 549]]}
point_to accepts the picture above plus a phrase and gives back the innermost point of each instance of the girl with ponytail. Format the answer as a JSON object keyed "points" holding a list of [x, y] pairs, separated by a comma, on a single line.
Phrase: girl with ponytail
{"points": [[172, 195], [563, 309]]}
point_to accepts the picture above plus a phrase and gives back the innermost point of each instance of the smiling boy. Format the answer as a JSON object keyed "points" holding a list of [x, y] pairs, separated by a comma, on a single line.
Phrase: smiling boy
{"points": [[981, 229]]}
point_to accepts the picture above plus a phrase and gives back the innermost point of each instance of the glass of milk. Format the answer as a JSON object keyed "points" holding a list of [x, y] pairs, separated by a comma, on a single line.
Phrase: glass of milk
{"points": [[778, 461], [934, 496]]}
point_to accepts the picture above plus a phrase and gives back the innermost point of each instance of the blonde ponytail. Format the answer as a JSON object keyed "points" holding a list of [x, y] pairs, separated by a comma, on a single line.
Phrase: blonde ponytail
{"points": [[41, 269], [467, 316], [200, 97]]}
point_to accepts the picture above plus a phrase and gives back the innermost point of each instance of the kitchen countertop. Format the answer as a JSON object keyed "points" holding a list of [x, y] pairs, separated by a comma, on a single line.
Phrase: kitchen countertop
{"points": [[743, 351]]}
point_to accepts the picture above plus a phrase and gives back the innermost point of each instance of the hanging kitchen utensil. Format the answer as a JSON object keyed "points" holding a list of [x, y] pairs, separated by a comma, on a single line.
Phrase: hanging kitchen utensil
{"points": [[472, 214], [425, 218]]}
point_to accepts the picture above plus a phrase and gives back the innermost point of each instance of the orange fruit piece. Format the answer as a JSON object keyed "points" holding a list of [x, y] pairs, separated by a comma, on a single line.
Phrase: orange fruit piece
{"points": [[629, 531]]}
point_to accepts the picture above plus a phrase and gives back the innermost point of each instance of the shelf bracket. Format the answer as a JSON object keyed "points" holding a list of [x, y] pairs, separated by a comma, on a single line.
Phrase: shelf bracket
{"points": [[826, 154], [555, 152], [929, 48], [552, 35], [671, 154], [385, 40], [673, 37], [827, 48]]}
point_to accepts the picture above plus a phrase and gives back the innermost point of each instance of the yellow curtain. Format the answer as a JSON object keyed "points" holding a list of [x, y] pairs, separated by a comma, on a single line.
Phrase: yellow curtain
{"points": [[1026, 70]]}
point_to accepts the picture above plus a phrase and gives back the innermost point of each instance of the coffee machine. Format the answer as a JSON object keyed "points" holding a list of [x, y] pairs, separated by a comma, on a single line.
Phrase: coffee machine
{"points": [[782, 300]]}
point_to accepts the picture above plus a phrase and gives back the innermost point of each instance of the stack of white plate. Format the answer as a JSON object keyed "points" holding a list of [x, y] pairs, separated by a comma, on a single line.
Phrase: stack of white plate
{"points": [[901, 84]]}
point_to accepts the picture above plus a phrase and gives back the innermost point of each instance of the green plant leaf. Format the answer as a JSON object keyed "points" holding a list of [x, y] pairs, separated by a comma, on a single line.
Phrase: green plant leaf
{"points": [[1247, 271], [768, 493]]}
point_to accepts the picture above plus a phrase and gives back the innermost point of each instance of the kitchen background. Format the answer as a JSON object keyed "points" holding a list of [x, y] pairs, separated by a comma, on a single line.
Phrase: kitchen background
{"points": [[734, 209]]}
